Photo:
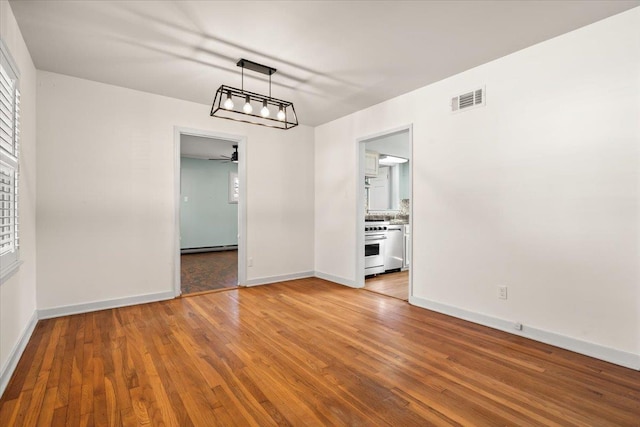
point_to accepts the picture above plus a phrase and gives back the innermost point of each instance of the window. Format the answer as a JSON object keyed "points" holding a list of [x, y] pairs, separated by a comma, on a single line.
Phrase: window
{"points": [[9, 163]]}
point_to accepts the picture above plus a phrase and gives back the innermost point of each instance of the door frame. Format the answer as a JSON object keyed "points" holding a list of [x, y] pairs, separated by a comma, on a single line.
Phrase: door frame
{"points": [[241, 141], [360, 193]]}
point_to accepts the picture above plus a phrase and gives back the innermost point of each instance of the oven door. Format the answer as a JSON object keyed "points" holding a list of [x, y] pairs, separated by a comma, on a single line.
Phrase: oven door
{"points": [[374, 254]]}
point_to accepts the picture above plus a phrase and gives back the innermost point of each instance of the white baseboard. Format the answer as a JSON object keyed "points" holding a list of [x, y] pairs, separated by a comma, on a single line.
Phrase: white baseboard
{"points": [[619, 357], [336, 279], [275, 279], [16, 352], [66, 310]]}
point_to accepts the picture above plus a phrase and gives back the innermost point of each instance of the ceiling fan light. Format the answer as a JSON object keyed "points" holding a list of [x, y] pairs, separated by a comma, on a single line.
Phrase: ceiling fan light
{"points": [[265, 110], [228, 103], [247, 108], [281, 115]]}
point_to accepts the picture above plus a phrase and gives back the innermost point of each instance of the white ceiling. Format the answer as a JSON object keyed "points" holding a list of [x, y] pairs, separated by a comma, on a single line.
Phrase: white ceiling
{"points": [[333, 57], [394, 144], [205, 148]]}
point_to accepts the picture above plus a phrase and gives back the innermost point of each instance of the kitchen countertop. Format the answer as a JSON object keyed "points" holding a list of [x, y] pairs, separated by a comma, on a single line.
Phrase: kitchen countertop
{"points": [[399, 221], [393, 219]]}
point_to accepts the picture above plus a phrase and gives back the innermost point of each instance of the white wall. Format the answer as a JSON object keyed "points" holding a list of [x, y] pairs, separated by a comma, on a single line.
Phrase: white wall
{"points": [[18, 293], [537, 191], [106, 182], [206, 217]]}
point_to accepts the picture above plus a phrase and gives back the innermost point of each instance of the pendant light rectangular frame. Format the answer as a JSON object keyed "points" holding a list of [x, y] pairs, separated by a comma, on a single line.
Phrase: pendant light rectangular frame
{"points": [[239, 96]]}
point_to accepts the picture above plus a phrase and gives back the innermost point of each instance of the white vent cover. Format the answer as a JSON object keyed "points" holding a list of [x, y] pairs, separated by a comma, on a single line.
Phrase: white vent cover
{"points": [[468, 100]]}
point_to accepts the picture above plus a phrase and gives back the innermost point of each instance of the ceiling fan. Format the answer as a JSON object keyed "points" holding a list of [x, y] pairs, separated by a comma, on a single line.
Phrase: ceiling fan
{"points": [[233, 158]]}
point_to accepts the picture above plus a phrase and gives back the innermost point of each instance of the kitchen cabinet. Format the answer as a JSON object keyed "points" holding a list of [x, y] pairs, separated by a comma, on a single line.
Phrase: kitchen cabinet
{"points": [[406, 253], [371, 159]]}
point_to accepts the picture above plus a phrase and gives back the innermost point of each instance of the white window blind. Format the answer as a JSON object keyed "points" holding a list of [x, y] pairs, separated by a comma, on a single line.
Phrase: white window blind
{"points": [[8, 205], [9, 162], [7, 114]]}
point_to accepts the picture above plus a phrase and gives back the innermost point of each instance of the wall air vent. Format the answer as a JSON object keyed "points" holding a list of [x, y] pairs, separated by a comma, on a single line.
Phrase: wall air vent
{"points": [[468, 100]]}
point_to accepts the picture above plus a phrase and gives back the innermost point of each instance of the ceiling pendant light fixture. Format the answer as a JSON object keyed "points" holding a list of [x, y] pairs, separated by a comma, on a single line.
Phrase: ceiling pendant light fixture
{"points": [[285, 118]]}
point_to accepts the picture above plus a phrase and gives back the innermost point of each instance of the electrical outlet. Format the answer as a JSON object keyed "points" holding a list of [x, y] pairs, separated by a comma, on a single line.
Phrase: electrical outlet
{"points": [[250, 262], [502, 292], [517, 326]]}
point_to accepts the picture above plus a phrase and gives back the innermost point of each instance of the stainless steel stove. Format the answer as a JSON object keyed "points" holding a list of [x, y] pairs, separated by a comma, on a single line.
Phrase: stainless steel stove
{"points": [[375, 236]]}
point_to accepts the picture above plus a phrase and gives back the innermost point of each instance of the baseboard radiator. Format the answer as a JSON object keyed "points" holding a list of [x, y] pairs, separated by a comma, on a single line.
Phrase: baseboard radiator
{"points": [[209, 249]]}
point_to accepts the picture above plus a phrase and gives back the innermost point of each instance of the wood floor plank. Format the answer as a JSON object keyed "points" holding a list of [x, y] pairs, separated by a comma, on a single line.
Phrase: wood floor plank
{"points": [[9, 412], [48, 407], [26, 373], [304, 352], [160, 397], [38, 394]]}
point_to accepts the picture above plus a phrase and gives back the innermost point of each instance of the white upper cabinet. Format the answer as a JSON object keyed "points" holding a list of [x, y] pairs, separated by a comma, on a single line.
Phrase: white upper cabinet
{"points": [[371, 159]]}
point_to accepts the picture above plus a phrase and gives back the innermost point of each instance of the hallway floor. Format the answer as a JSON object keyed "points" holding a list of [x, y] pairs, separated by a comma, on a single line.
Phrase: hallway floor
{"points": [[394, 285], [208, 271]]}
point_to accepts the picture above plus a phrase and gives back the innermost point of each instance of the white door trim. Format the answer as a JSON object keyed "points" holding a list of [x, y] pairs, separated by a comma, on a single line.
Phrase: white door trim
{"points": [[241, 140], [360, 201]]}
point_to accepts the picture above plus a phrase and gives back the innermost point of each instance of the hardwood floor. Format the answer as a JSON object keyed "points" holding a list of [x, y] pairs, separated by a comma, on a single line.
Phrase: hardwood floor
{"points": [[304, 353], [391, 284], [208, 271]]}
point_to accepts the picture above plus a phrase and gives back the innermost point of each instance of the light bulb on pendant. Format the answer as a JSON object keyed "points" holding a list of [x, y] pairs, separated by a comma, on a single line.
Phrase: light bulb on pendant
{"points": [[265, 111], [247, 106], [281, 116], [228, 104]]}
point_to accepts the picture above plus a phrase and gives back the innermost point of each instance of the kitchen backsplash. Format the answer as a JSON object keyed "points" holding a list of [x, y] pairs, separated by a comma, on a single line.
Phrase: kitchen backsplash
{"points": [[401, 215]]}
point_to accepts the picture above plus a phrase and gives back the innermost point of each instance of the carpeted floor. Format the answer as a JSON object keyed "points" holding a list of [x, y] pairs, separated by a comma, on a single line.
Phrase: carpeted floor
{"points": [[209, 271]]}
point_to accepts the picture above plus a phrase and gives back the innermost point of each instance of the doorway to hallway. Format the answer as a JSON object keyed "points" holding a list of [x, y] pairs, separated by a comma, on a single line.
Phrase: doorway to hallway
{"points": [[209, 209]]}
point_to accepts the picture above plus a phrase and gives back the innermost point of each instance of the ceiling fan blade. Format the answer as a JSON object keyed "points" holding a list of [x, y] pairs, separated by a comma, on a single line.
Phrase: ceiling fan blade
{"points": [[227, 159]]}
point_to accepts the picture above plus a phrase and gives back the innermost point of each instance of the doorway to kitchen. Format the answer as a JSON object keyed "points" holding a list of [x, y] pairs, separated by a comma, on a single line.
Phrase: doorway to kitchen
{"points": [[384, 213], [209, 211]]}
